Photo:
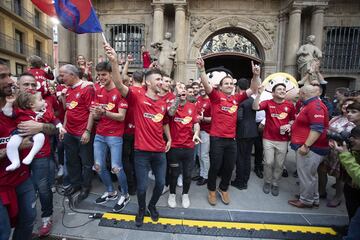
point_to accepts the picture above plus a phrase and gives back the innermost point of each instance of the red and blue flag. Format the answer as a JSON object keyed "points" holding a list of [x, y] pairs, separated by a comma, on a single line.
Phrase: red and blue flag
{"points": [[75, 15]]}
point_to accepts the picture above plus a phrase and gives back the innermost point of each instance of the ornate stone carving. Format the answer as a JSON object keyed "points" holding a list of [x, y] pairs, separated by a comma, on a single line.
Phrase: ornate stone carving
{"points": [[197, 44], [269, 24], [197, 22], [233, 22], [212, 27], [268, 45], [254, 28]]}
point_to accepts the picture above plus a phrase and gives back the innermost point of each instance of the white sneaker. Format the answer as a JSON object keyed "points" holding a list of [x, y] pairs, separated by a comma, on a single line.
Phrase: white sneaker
{"points": [[185, 201], [172, 200], [180, 181], [151, 176], [166, 189], [60, 172]]}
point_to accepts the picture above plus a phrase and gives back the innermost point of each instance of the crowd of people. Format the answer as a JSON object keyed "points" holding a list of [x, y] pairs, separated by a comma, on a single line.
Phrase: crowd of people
{"points": [[125, 126]]}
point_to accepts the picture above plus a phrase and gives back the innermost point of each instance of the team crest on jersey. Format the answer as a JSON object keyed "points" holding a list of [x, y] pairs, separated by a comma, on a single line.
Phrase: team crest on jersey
{"points": [[190, 111], [234, 101], [114, 98], [162, 108], [286, 109], [77, 95]]}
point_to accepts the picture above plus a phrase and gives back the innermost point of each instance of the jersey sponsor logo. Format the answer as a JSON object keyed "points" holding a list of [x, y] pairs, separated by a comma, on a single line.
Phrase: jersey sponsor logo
{"points": [[318, 116], [155, 118], [4, 140], [110, 106], [72, 104], [280, 116], [231, 109], [184, 120]]}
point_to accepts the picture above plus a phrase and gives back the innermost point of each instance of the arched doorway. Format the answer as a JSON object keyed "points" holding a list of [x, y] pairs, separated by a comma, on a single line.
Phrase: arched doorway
{"points": [[231, 49]]}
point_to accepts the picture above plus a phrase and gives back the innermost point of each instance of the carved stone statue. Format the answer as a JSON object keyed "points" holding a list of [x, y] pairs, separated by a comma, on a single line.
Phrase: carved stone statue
{"points": [[308, 62], [165, 52]]}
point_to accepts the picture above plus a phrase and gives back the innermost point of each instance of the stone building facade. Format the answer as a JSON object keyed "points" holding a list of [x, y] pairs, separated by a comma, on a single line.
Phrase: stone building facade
{"points": [[230, 33]]}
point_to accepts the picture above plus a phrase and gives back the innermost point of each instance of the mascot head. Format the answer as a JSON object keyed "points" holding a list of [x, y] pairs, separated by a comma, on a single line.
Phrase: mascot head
{"points": [[292, 87], [216, 74]]}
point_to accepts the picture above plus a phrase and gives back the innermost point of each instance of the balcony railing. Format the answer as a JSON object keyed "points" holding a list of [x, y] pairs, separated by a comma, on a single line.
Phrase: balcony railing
{"points": [[12, 45], [27, 16]]}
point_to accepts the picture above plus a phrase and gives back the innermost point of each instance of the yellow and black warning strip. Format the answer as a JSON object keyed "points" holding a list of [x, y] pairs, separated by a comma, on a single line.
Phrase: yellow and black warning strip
{"points": [[221, 228]]}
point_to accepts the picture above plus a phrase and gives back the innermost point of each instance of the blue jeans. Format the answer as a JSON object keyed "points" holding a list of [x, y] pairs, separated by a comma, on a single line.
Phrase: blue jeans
{"points": [[143, 162], [101, 143], [26, 215], [40, 177], [354, 227]]}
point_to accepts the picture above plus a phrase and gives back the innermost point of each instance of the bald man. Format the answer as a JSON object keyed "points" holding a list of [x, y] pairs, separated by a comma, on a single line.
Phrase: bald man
{"points": [[309, 141]]}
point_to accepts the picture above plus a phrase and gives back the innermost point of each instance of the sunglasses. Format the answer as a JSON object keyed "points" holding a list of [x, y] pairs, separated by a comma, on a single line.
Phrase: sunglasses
{"points": [[4, 75]]}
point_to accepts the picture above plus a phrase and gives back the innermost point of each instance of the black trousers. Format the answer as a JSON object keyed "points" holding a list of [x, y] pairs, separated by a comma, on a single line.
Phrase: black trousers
{"points": [[180, 159], [243, 159], [352, 199], [259, 151], [79, 160], [222, 157], [128, 161]]}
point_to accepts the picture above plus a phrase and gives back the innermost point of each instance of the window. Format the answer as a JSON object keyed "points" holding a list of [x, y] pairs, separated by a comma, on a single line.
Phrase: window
{"points": [[19, 68], [342, 49], [37, 18], [38, 48], [19, 42], [126, 39], [17, 7]]}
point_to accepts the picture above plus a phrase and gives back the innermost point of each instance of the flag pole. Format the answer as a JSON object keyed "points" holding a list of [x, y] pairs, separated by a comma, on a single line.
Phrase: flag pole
{"points": [[104, 38]]}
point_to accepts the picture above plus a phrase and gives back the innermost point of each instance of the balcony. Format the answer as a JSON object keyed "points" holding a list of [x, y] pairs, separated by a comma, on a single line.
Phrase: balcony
{"points": [[27, 18], [13, 47]]}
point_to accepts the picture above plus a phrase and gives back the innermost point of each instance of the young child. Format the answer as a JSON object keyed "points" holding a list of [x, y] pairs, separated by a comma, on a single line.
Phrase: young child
{"points": [[29, 106]]}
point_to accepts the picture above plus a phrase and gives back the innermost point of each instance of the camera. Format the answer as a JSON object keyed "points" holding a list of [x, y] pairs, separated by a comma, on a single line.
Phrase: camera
{"points": [[341, 137]]}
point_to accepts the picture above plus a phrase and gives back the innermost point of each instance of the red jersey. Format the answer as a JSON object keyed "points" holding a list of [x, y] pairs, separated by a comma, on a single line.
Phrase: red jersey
{"points": [[313, 116], [181, 126], [146, 59], [9, 178], [41, 78], [204, 107], [168, 97], [277, 115], [111, 100], [149, 116], [224, 113], [78, 102], [129, 118]]}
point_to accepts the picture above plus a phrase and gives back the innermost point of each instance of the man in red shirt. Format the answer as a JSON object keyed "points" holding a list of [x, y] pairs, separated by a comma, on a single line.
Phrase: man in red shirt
{"points": [[184, 129], [279, 115], [223, 129], [17, 194], [204, 110], [78, 124], [308, 139], [150, 147], [110, 109], [129, 132], [146, 59]]}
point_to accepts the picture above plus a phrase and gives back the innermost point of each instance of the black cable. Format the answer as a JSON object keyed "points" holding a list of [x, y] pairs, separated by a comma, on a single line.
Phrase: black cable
{"points": [[63, 217]]}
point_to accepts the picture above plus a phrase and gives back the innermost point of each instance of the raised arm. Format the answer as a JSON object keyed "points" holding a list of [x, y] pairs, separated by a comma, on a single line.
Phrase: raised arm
{"points": [[111, 54], [256, 80], [256, 103], [204, 79]]}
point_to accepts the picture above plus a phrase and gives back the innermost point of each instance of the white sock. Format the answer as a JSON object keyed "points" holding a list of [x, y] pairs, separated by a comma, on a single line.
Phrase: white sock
{"points": [[12, 152], [39, 140]]}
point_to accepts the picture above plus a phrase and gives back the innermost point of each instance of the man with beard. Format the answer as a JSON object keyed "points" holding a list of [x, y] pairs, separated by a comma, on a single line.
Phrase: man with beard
{"points": [[17, 194], [150, 147], [279, 114]]}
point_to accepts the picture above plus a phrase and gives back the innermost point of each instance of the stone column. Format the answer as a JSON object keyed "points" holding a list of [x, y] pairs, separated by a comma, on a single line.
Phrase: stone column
{"points": [[83, 46], [180, 39], [281, 41], [317, 25], [292, 41], [158, 25], [64, 44]]}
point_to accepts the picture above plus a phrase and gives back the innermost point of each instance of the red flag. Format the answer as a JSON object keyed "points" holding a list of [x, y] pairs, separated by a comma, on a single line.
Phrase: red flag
{"points": [[46, 6]]}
